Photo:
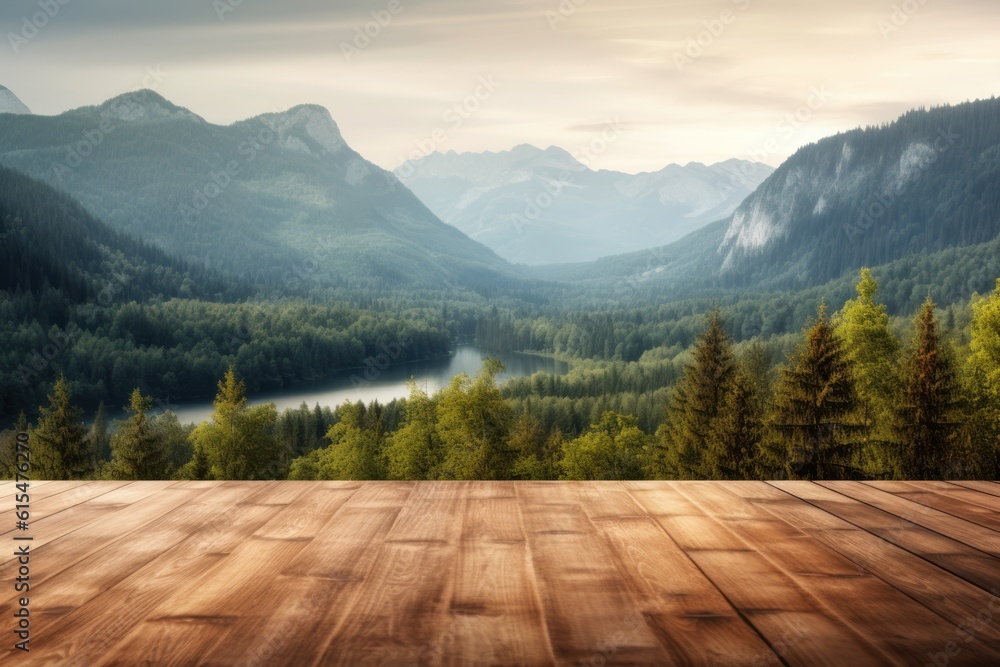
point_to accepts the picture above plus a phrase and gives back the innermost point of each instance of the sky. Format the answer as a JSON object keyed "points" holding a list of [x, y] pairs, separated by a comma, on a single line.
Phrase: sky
{"points": [[679, 80]]}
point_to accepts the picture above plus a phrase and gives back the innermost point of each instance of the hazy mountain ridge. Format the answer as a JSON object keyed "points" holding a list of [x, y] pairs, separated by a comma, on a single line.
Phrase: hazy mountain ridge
{"points": [[539, 206], [919, 186], [10, 103], [278, 199]]}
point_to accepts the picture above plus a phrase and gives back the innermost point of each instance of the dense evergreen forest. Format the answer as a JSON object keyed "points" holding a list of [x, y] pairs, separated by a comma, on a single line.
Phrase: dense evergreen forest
{"points": [[856, 396]]}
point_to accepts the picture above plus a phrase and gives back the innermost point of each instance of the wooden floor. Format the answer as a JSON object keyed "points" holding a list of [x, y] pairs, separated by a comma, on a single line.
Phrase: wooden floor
{"points": [[592, 573]]}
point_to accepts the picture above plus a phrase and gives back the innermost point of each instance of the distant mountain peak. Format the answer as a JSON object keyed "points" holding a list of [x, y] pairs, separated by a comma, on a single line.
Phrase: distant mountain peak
{"points": [[315, 120], [9, 102], [145, 105]]}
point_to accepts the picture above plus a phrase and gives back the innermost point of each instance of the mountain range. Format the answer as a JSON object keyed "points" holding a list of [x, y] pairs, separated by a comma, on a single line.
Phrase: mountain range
{"points": [[535, 206], [278, 200], [923, 186]]}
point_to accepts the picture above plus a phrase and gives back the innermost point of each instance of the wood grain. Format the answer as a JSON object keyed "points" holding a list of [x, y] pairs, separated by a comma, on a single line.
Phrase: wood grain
{"points": [[510, 573]]}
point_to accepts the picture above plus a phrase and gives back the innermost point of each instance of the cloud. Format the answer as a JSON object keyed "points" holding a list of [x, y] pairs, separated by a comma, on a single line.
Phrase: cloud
{"points": [[603, 60]]}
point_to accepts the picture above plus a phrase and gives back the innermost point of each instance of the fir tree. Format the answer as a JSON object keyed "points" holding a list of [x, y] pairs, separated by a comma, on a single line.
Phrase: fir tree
{"points": [[733, 445], [137, 450], [695, 404], [100, 439], [873, 353], [61, 448], [926, 427], [814, 407]]}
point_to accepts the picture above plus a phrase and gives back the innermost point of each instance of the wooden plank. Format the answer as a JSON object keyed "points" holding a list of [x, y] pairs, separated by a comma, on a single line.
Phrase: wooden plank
{"points": [[947, 595], [87, 515], [894, 621], [589, 615], [963, 531], [953, 490], [956, 557], [315, 588], [60, 496], [190, 623], [796, 626], [690, 617], [943, 502], [992, 488], [494, 613], [174, 554], [399, 613], [59, 554]]}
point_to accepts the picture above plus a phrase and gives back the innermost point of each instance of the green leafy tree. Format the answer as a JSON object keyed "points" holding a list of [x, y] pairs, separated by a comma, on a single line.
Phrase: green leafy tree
{"points": [[358, 440], [695, 404], [815, 406], [537, 451], [60, 447], [137, 451], [981, 435], [926, 418], [415, 451], [239, 442], [613, 448], [873, 353], [474, 424]]}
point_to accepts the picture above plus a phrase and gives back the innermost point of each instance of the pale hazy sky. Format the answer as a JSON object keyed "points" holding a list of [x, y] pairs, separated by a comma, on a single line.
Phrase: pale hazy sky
{"points": [[563, 68]]}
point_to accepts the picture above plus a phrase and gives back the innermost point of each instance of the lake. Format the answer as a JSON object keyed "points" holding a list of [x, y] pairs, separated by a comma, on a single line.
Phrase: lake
{"points": [[389, 384]]}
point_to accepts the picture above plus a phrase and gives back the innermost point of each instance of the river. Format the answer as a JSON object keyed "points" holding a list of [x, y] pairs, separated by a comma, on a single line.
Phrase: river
{"points": [[389, 384]]}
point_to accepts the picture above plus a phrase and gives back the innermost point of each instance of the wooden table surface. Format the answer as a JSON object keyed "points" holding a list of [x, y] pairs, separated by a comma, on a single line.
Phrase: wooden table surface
{"points": [[508, 573]]}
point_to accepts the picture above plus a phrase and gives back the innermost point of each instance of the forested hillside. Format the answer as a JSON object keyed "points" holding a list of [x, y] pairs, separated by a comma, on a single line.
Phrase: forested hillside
{"points": [[114, 313]]}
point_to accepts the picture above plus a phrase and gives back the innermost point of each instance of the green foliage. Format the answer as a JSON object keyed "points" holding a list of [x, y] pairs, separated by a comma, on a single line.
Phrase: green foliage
{"points": [[695, 406], [100, 437], [873, 353], [474, 422], [985, 341], [239, 442], [138, 451], [415, 450], [357, 443], [60, 448], [927, 425], [813, 424], [613, 448]]}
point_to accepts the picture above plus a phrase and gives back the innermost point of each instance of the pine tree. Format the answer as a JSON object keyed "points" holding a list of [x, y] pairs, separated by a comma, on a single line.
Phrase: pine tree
{"points": [[926, 426], [60, 447], [137, 450], [733, 445], [100, 439], [814, 405], [695, 403], [873, 353]]}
